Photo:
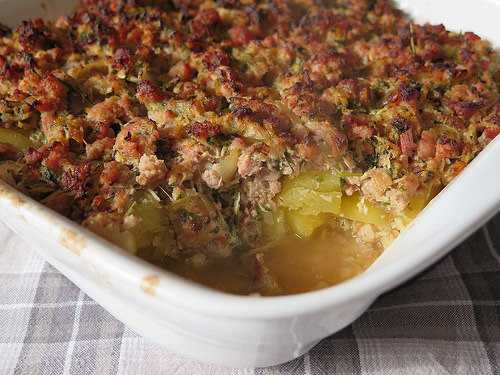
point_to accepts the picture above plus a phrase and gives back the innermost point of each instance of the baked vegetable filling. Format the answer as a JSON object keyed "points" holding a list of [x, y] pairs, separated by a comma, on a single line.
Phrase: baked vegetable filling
{"points": [[269, 147]]}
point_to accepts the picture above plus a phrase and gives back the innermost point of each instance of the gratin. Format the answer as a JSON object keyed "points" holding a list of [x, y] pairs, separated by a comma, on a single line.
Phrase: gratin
{"points": [[271, 147]]}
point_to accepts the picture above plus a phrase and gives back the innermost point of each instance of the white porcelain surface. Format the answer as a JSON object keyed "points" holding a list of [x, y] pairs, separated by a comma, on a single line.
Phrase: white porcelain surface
{"points": [[252, 331]]}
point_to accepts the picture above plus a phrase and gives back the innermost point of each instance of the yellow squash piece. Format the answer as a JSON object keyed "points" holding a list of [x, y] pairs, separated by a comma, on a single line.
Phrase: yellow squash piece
{"points": [[152, 230], [228, 165], [354, 208], [274, 224], [319, 181], [307, 199], [15, 139], [305, 225], [153, 227], [311, 202], [312, 193]]}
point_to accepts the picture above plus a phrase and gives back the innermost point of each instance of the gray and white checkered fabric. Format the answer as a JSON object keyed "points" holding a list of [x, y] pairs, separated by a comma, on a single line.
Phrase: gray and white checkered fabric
{"points": [[447, 321]]}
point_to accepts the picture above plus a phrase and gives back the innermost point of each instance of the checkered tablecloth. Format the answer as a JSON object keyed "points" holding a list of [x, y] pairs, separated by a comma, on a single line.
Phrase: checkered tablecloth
{"points": [[447, 321]]}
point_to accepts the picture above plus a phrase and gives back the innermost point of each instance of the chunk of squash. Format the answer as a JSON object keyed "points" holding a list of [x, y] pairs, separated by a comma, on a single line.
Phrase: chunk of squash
{"points": [[312, 193], [304, 225], [311, 202], [308, 198], [15, 139], [274, 224], [153, 229], [319, 181], [228, 165], [354, 208]]}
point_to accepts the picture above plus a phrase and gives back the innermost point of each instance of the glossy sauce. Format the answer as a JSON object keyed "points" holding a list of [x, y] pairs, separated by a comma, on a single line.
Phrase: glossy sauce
{"points": [[296, 265], [318, 263]]}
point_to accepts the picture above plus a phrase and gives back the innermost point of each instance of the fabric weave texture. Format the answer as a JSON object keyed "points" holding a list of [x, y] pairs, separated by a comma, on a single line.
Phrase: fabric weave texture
{"points": [[446, 321]]}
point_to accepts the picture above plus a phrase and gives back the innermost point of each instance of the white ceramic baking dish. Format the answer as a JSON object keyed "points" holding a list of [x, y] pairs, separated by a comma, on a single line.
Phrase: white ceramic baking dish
{"points": [[250, 331]]}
